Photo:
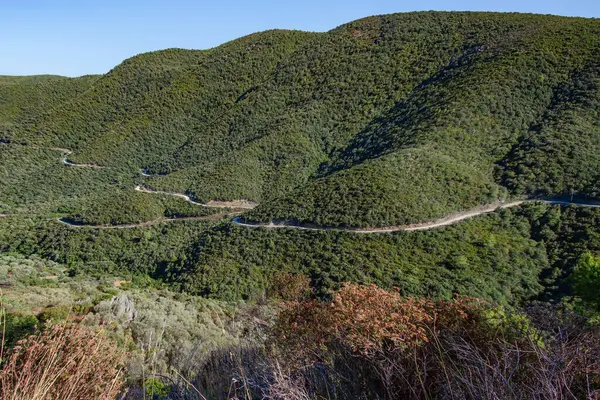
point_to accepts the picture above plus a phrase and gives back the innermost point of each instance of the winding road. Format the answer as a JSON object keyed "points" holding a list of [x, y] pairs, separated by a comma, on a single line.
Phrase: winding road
{"points": [[449, 220], [278, 224], [245, 204], [65, 161], [213, 217]]}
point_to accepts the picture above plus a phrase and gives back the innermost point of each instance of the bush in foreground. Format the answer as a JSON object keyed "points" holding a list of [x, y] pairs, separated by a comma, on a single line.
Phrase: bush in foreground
{"points": [[369, 343], [63, 362]]}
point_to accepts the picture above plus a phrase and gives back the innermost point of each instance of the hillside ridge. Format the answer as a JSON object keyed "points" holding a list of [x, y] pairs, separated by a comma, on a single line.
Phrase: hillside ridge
{"points": [[388, 120]]}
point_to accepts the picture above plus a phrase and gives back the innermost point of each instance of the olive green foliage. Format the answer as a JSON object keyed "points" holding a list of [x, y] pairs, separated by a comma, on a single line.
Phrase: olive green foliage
{"points": [[492, 257], [586, 279], [559, 155], [135, 207], [23, 98], [167, 329], [125, 252], [120, 208], [387, 120], [399, 188], [510, 256], [15, 269], [17, 326], [567, 233], [34, 180]]}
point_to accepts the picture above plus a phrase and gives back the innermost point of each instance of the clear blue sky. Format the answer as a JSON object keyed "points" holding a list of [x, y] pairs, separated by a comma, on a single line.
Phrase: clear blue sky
{"points": [[88, 36]]}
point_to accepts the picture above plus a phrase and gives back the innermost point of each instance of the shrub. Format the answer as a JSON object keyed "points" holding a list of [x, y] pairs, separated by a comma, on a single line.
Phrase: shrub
{"points": [[154, 387], [55, 313], [366, 342], [586, 279], [369, 320], [289, 287], [63, 362], [17, 326], [371, 343]]}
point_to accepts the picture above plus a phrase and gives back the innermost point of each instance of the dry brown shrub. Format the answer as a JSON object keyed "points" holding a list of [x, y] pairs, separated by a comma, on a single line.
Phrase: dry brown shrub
{"points": [[369, 342], [368, 319], [289, 287], [63, 362]]}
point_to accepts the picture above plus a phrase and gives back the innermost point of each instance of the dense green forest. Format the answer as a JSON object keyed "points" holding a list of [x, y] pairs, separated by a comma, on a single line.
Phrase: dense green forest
{"points": [[512, 257], [387, 120], [22, 98]]}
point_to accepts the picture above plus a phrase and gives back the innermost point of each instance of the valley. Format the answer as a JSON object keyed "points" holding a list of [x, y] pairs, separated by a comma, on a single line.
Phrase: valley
{"points": [[241, 205], [404, 206]]}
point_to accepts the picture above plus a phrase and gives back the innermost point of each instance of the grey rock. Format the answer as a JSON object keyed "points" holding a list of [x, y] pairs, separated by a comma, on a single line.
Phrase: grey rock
{"points": [[123, 308]]}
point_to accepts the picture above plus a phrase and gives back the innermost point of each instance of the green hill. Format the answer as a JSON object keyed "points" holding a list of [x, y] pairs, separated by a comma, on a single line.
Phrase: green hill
{"points": [[108, 213], [24, 98], [387, 120]]}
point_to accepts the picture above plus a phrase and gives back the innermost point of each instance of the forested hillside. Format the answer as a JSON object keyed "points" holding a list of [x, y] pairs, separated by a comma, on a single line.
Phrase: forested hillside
{"points": [[201, 209], [22, 99], [387, 120]]}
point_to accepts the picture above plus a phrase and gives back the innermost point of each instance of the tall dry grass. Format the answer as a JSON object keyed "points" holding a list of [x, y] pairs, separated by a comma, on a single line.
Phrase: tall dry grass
{"points": [[65, 361]]}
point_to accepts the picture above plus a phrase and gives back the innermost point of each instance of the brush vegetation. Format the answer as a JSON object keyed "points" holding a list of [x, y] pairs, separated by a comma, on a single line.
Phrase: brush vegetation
{"points": [[388, 120]]}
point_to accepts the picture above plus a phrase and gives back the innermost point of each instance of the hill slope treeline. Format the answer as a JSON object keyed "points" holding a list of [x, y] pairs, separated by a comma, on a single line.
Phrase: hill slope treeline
{"points": [[387, 120]]}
